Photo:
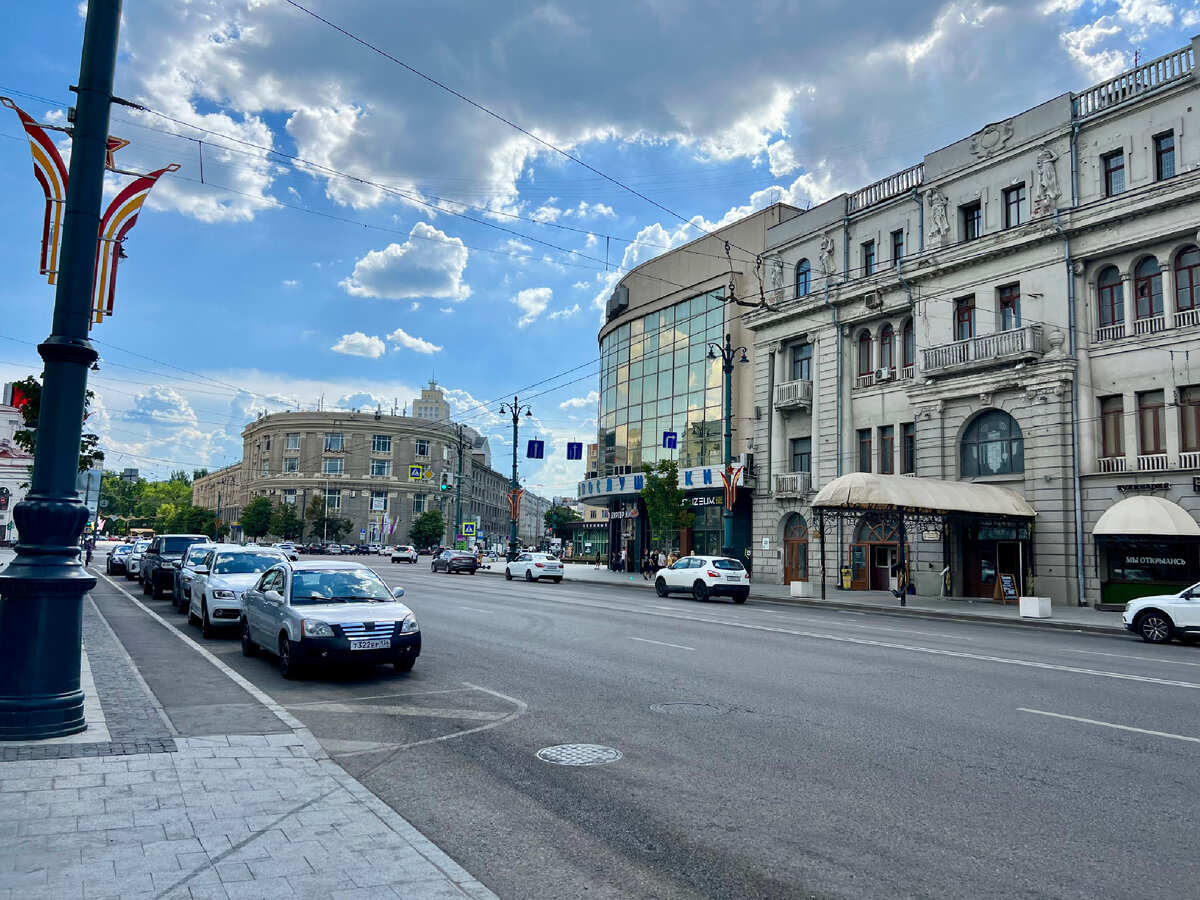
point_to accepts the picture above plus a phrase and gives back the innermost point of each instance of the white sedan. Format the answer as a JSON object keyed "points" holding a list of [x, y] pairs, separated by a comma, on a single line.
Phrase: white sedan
{"points": [[704, 577], [534, 567], [404, 553]]}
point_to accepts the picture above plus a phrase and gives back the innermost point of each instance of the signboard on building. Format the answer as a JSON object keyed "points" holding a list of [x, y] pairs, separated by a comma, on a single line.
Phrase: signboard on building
{"points": [[693, 479], [378, 504]]}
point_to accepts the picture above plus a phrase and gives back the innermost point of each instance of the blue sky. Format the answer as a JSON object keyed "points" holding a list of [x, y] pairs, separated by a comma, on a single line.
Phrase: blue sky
{"points": [[360, 229]]}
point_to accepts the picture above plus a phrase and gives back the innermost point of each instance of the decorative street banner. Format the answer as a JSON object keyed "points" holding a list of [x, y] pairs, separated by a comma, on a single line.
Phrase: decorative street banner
{"points": [[670, 440], [574, 450], [731, 479], [536, 449], [514, 502]]}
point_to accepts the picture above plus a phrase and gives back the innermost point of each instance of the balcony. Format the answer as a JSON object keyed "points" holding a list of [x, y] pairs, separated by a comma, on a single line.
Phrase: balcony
{"points": [[1026, 343], [1110, 464], [1185, 317], [1110, 332], [1189, 459], [791, 395], [793, 484], [1149, 325], [1173, 67], [1152, 462]]}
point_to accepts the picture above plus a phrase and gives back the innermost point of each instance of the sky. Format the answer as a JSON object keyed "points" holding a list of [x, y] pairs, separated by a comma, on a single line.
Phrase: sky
{"points": [[371, 195]]}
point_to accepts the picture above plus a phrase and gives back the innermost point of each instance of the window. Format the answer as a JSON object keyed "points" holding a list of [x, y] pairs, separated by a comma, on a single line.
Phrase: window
{"points": [[292, 442], [1114, 172], [268, 445], [868, 258], [381, 467], [1147, 289], [266, 467], [802, 362], [334, 466], [1015, 211], [381, 443], [897, 245], [1187, 279], [291, 464], [1189, 419], [1112, 297], [887, 449], [418, 504], [964, 318], [421, 448], [887, 353], [801, 454], [864, 450], [378, 501], [289, 496], [1164, 155], [333, 500], [1008, 301], [334, 443], [993, 445], [864, 353], [970, 220], [1112, 426], [908, 448], [909, 340], [803, 278], [1151, 412]]}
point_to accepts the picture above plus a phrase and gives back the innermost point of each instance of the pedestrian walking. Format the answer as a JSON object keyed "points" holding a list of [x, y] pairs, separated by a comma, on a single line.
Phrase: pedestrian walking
{"points": [[88, 546], [645, 566], [597, 560], [624, 559], [662, 559]]}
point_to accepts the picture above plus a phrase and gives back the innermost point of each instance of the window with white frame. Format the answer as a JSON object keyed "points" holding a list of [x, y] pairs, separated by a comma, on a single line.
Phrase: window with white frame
{"points": [[292, 441], [334, 466], [378, 501], [291, 464], [289, 496], [381, 467], [421, 448], [335, 442], [333, 500], [381, 443], [418, 504]]}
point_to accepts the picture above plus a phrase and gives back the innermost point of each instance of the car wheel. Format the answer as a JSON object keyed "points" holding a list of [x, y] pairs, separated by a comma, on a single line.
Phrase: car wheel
{"points": [[557, 580], [405, 665], [206, 627], [700, 591], [529, 575], [660, 587], [1155, 627], [287, 667], [249, 648], [145, 588], [432, 567], [741, 598], [507, 574]]}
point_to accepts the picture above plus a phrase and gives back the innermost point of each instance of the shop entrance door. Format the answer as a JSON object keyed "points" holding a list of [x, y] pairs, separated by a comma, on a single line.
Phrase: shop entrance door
{"points": [[1010, 561], [795, 561], [859, 573], [883, 557]]}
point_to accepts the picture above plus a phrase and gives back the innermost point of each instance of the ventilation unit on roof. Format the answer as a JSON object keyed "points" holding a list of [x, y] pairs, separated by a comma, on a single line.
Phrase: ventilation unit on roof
{"points": [[618, 301]]}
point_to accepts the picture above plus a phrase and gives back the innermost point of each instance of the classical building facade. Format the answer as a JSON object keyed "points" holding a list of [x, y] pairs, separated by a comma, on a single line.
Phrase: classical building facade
{"points": [[14, 469], [1010, 323], [223, 491]]}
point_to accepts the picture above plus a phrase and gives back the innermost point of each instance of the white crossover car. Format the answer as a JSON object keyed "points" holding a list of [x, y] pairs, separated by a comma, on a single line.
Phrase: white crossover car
{"points": [[288, 549], [134, 563], [534, 567], [1159, 618], [220, 580], [404, 554], [704, 577]]}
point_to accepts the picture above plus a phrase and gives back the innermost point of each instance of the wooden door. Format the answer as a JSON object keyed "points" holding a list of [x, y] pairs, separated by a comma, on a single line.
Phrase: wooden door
{"points": [[859, 571], [795, 561]]}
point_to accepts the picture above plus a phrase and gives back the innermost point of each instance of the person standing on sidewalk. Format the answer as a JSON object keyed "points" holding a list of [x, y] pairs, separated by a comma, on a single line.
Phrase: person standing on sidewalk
{"points": [[662, 559]]}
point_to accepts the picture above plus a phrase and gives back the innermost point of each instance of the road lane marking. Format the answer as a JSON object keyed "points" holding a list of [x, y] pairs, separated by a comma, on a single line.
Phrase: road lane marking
{"points": [[1165, 734], [486, 612], [360, 708], [1149, 659], [392, 696], [662, 643]]}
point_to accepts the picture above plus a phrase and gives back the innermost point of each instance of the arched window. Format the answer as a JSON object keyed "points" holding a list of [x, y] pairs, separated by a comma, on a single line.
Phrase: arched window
{"points": [[1147, 288], [1187, 279], [864, 353], [871, 529], [1112, 298], [887, 351], [909, 356], [803, 278], [992, 445], [795, 528]]}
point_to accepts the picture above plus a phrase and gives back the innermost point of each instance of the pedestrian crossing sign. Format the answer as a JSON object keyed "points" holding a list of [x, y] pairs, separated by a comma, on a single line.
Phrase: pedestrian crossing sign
{"points": [[416, 473], [468, 529]]}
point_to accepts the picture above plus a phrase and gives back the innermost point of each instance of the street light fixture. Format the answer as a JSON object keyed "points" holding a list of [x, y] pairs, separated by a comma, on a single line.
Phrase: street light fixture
{"points": [[514, 409], [726, 354]]}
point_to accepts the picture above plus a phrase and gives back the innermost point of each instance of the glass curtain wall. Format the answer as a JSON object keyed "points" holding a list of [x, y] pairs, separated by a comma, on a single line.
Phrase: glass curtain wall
{"points": [[655, 377]]}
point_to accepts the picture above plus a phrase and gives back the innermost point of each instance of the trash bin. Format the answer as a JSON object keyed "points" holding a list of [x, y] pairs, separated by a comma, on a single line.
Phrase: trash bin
{"points": [[847, 578]]}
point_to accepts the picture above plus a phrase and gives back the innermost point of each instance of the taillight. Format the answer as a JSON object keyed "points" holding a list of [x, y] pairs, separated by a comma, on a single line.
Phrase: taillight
{"points": [[540, 565], [712, 574]]}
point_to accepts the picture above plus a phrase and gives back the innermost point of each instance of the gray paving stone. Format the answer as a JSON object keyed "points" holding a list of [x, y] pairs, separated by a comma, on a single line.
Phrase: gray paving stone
{"points": [[259, 889], [230, 872]]}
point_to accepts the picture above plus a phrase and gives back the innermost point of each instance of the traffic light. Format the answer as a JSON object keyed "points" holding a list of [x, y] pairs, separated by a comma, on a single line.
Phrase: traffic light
{"points": [[447, 481], [4, 495]]}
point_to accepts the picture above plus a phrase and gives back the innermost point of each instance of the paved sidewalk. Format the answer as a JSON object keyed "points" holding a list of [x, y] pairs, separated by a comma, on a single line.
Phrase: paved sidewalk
{"points": [[1077, 618], [132, 808]]}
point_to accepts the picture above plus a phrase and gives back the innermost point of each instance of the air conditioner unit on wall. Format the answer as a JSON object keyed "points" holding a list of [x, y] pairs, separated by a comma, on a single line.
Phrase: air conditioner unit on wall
{"points": [[874, 300], [884, 374]]}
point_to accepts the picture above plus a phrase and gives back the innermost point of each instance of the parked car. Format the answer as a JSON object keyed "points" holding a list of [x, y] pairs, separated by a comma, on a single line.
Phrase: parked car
{"points": [[704, 577], [327, 612], [165, 549], [375, 549], [1159, 618], [220, 580], [117, 557], [451, 561], [134, 562], [287, 548], [404, 553], [186, 573], [333, 549], [534, 567]]}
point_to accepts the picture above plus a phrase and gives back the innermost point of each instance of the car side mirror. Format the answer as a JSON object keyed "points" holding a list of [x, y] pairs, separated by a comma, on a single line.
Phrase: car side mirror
{"points": [[201, 570], [398, 592], [273, 596]]}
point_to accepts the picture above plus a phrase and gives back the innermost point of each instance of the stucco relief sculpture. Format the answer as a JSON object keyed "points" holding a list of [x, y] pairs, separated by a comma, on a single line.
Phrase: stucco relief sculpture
{"points": [[777, 276], [991, 139], [1047, 192], [825, 257], [939, 227]]}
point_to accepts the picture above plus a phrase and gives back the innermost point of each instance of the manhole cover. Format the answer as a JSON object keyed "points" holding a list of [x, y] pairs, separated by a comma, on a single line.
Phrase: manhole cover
{"points": [[579, 755], [688, 709]]}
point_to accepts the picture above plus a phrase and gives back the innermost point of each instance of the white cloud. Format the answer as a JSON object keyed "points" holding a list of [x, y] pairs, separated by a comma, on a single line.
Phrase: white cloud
{"points": [[401, 338], [162, 405], [564, 313], [1082, 43], [428, 264], [359, 344], [290, 283], [587, 402], [532, 302]]}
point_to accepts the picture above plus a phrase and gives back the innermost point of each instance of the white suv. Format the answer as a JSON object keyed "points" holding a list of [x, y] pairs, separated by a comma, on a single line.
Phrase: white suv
{"points": [[1159, 618], [404, 554], [220, 580], [534, 567], [704, 577]]}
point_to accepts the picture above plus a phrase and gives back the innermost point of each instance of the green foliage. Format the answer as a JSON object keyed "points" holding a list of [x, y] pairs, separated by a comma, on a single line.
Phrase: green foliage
{"points": [[664, 500], [256, 518], [428, 528], [558, 516], [323, 525], [26, 438], [285, 522]]}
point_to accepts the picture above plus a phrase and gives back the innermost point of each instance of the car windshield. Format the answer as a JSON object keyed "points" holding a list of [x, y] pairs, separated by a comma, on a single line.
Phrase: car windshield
{"points": [[244, 563], [122, 550], [140, 546], [197, 553], [727, 564], [177, 545], [346, 586]]}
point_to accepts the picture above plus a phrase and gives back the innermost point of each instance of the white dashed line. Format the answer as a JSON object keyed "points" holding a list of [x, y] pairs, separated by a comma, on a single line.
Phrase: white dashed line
{"points": [[1165, 734], [662, 643]]}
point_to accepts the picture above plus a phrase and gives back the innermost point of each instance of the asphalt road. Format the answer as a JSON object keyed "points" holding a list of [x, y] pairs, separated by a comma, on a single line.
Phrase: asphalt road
{"points": [[767, 750]]}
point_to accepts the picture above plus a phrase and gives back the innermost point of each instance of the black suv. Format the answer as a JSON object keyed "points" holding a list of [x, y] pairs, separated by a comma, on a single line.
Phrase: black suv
{"points": [[156, 573]]}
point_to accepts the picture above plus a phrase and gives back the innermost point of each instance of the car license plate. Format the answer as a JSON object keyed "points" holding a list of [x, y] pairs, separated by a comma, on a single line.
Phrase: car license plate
{"points": [[733, 577], [371, 645]]}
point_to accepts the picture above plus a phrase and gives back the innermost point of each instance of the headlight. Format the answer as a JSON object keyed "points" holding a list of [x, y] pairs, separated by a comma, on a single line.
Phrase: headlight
{"points": [[314, 628], [409, 624], [224, 595]]}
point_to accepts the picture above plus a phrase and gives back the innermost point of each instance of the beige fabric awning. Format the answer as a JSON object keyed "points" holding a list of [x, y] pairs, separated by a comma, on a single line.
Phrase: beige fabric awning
{"points": [[1155, 516], [864, 490]]}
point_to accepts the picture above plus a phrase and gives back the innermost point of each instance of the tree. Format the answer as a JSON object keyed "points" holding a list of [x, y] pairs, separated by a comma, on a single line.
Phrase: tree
{"points": [[324, 525], [26, 438], [285, 522], [558, 516], [256, 517], [428, 528], [664, 501]]}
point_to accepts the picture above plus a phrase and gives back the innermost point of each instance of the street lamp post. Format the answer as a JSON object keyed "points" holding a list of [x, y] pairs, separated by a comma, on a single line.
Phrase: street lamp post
{"points": [[41, 610], [726, 354], [515, 409]]}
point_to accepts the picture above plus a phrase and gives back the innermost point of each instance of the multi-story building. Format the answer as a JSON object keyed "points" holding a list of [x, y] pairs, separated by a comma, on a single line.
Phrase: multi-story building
{"points": [[431, 404], [531, 527], [14, 467], [1011, 323], [224, 492]]}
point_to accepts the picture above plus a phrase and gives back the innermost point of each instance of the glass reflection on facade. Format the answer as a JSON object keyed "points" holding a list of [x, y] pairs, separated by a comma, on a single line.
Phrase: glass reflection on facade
{"points": [[655, 377]]}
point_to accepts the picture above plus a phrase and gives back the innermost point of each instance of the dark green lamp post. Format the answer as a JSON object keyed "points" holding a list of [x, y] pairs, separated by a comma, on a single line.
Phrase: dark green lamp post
{"points": [[726, 355], [515, 409]]}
